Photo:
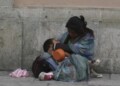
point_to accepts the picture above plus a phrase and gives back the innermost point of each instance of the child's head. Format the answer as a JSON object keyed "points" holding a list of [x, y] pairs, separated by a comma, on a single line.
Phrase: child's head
{"points": [[47, 44]]}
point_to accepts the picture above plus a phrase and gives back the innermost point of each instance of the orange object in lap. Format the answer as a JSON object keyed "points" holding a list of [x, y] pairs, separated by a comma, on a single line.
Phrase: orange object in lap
{"points": [[59, 55]]}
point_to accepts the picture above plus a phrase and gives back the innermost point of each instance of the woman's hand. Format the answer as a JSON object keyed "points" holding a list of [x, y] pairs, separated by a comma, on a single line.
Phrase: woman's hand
{"points": [[67, 54]]}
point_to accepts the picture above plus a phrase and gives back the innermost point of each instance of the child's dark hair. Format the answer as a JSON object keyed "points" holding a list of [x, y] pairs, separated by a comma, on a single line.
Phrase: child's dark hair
{"points": [[47, 44]]}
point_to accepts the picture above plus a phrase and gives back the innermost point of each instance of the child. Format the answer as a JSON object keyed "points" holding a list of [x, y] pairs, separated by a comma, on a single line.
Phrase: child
{"points": [[56, 49], [52, 47]]}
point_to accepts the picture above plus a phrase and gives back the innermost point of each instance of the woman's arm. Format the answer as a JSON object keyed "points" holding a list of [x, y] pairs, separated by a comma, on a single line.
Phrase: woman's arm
{"points": [[84, 47]]}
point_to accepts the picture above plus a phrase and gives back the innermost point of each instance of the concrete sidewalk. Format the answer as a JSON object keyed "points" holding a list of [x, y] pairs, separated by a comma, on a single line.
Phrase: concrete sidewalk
{"points": [[107, 80]]}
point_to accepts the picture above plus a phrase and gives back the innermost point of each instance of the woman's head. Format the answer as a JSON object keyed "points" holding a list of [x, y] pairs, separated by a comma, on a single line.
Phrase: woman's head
{"points": [[76, 26]]}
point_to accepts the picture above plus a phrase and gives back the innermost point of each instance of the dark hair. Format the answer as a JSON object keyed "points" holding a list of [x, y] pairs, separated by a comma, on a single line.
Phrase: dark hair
{"points": [[79, 25], [47, 44]]}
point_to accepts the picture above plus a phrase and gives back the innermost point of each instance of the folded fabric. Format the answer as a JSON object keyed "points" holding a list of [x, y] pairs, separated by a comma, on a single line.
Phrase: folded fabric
{"points": [[19, 73]]}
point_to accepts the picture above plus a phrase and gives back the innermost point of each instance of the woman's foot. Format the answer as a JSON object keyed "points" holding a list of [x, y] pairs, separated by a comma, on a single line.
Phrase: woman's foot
{"points": [[94, 74]]}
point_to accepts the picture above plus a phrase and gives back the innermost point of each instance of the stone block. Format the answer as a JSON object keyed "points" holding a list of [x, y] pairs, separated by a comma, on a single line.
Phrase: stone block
{"points": [[108, 43], [116, 65], [60, 15], [6, 3], [106, 66], [93, 15], [110, 15], [10, 40]]}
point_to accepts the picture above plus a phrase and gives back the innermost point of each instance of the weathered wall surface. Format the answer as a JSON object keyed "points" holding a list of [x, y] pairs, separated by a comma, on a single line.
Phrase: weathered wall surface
{"points": [[68, 3], [23, 31], [6, 3]]}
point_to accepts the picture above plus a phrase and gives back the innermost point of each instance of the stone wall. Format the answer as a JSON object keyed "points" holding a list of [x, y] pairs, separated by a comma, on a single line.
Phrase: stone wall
{"points": [[23, 31], [68, 3]]}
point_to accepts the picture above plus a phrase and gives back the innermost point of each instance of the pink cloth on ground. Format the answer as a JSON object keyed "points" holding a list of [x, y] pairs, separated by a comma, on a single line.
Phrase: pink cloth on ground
{"points": [[19, 73]]}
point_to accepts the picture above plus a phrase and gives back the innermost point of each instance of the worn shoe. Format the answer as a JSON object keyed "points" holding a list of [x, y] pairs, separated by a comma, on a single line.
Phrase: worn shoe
{"points": [[94, 74], [45, 76]]}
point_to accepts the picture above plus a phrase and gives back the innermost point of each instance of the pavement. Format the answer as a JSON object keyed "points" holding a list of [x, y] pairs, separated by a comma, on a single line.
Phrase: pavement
{"points": [[107, 80]]}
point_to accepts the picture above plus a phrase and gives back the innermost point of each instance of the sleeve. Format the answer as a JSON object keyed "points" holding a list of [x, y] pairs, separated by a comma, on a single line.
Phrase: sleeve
{"points": [[84, 48], [62, 37]]}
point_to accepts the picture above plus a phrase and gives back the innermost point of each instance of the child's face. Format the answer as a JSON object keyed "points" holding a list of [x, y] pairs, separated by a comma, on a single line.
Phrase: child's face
{"points": [[50, 49]]}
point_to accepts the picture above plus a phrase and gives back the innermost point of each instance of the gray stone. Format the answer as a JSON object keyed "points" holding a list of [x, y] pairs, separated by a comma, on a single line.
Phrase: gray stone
{"points": [[10, 41], [110, 15], [116, 65], [5, 80], [60, 15], [106, 66], [6, 3], [93, 15], [115, 77], [108, 43]]}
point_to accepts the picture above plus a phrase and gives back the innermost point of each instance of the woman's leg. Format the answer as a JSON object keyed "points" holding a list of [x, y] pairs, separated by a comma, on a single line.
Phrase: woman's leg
{"points": [[93, 73]]}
